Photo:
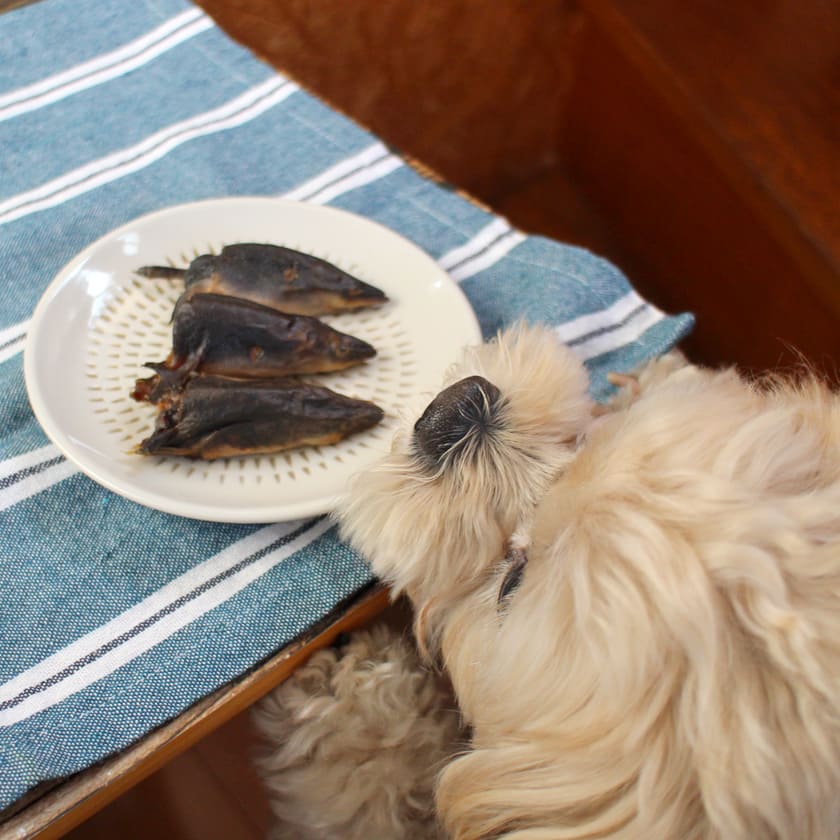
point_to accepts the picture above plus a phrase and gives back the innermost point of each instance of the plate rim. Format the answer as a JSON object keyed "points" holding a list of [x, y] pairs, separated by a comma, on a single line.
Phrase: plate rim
{"points": [[180, 507]]}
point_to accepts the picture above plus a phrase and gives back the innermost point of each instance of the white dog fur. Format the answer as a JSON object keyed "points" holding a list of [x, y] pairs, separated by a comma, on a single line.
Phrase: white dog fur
{"points": [[669, 664], [355, 739]]}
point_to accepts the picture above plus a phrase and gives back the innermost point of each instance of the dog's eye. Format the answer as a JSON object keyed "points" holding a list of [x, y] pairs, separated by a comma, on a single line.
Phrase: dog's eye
{"points": [[516, 560]]}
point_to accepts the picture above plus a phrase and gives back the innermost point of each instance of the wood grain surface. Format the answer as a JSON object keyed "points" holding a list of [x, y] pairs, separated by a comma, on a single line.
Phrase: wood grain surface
{"points": [[760, 79], [694, 229], [455, 84], [699, 191]]}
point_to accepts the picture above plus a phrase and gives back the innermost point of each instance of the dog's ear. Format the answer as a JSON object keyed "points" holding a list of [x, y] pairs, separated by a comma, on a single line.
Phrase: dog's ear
{"points": [[693, 552], [706, 663]]}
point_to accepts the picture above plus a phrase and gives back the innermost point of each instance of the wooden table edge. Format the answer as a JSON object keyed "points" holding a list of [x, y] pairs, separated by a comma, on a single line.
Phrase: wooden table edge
{"points": [[69, 803]]}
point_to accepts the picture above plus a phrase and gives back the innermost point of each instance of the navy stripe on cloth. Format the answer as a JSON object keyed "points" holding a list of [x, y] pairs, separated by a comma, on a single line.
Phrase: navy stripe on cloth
{"points": [[9, 480], [167, 610]]}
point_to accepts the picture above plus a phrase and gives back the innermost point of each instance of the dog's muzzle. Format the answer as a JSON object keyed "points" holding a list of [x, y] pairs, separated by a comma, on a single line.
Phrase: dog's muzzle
{"points": [[466, 410]]}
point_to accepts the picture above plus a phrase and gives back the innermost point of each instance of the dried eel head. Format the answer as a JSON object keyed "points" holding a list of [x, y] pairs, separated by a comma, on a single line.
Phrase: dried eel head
{"points": [[240, 338], [218, 417], [234, 337], [274, 276]]}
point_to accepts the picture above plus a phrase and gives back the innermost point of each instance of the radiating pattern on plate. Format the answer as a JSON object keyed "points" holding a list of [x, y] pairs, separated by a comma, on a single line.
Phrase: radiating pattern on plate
{"points": [[133, 327]]}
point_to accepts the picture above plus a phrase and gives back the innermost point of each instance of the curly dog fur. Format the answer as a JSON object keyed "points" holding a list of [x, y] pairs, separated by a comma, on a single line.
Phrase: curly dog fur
{"points": [[357, 736], [668, 665]]}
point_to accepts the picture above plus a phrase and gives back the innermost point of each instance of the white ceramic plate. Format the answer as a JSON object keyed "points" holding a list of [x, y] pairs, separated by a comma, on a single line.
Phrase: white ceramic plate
{"points": [[98, 323]]}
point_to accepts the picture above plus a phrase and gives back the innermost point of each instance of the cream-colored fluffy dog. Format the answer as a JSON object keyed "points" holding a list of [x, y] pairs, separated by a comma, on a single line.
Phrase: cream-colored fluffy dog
{"points": [[354, 741], [639, 610]]}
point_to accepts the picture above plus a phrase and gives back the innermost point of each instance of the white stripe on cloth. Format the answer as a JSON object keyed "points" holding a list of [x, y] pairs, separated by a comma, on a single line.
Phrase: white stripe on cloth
{"points": [[14, 331], [242, 109], [328, 178], [104, 67], [12, 348], [607, 318], [488, 234], [36, 482], [13, 339], [633, 329], [358, 179], [154, 632], [28, 459], [500, 248]]}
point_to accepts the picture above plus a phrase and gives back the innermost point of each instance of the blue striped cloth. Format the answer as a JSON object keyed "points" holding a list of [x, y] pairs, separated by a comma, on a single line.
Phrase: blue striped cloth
{"points": [[113, 617]]}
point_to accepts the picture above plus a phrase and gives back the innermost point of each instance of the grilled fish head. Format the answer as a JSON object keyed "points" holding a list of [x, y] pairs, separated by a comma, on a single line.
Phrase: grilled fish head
{"points": [[274, 276], [299, 274], [218, 417], [235, 337], [348, 350]]}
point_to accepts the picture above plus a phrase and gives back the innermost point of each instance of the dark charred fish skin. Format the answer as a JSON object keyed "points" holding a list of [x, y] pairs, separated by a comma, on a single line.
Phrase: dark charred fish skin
{"points": [[219, 417], [164, 272], [274, 276], [157, 387], [233, 337]]}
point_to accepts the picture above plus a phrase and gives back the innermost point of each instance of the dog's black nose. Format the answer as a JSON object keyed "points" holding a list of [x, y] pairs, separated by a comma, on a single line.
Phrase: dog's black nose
{"points": [[468, 407]]}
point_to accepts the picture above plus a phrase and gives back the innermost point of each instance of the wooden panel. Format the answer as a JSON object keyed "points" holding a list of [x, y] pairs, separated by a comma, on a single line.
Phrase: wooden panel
{"points": [[473, 90], [762, 82], [684, 226], [211, 790]]}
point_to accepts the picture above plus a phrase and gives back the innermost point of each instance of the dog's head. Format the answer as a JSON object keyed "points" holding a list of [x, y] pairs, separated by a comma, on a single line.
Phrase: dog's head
{"points": [[466, 472]]}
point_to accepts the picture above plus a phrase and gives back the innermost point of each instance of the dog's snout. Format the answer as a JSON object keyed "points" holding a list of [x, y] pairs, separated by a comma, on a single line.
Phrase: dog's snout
{"points": [[462, 409]]}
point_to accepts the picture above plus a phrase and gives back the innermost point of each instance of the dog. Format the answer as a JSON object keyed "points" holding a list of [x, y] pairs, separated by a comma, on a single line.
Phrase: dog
{"points": [[638, 607], [354, 740]]}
